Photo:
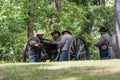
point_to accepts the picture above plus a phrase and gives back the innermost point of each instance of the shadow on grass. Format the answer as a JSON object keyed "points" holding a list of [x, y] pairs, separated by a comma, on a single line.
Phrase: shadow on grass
{"points": [[58, 71], [81, 73]]}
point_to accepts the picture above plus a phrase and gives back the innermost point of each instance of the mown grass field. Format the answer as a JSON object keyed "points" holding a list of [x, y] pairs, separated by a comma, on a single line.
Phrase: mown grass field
{"points": [[70, 70]]}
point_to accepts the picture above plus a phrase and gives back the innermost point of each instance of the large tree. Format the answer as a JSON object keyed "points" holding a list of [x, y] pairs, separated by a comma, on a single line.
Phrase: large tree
{"points": [[31, 18], [116, 30]]}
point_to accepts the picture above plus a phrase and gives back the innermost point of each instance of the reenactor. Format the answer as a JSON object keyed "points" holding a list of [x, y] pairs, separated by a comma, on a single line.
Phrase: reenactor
{"points": [[104, 44]]}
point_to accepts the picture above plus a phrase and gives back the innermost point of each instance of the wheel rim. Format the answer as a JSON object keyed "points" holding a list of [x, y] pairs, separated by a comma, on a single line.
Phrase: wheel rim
{"points": [[78, 49]]}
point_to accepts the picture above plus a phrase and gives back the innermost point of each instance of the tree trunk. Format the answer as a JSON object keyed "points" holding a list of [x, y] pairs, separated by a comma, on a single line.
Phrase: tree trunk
{"points": [[30, 29], [30, 21], [95, 2], [116, 30], [85, 2], [30, 25], [101, 2], [49, 1], [57, 4]]}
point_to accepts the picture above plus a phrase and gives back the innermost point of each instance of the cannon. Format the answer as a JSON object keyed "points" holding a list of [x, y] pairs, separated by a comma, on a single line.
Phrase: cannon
{"points": [[77, 50]]}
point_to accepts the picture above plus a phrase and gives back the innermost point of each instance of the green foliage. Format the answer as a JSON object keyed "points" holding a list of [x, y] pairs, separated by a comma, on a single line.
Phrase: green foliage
{"points": [[12, 27], [75, 17]]}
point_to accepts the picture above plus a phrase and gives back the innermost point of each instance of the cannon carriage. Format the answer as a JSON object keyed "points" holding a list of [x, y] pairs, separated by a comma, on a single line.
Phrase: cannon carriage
{"points": [[77, 50]]}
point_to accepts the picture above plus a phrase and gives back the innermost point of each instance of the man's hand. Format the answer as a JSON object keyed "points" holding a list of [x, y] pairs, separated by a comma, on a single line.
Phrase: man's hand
{"points": [[61, 45], [33, 43], [38, 45], [50, 40]]}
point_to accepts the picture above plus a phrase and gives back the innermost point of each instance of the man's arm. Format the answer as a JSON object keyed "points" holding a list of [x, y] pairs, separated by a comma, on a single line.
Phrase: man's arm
{"points": [[100, 42], [62, 42], [61, 45], [33, 42]]}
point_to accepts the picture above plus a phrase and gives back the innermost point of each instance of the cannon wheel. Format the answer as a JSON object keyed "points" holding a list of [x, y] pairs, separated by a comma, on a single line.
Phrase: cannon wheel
{"points": [[78, 49], [25, 50]]}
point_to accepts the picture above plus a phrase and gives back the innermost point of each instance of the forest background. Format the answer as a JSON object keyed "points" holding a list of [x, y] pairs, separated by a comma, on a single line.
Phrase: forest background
{"points": [[78, 16]]}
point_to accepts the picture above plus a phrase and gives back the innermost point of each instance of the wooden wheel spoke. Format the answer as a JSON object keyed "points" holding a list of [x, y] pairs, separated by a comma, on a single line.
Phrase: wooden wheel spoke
{"points": [[83, 52], [82, 47], [78, 48], [72, 49], [74, 45]]}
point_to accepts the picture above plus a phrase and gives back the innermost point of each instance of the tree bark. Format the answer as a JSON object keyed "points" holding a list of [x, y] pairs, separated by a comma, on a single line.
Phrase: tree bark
{"points": [[57, 4], [101, 2], [30, 29], [116, 30], [30, 24]]}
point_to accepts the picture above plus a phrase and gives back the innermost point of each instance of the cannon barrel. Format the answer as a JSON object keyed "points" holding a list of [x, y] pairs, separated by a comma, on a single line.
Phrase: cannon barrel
{"points": [[49, 42]]}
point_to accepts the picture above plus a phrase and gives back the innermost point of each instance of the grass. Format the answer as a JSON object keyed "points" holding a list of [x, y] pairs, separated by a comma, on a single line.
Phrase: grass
{"points": [[70, 70]]}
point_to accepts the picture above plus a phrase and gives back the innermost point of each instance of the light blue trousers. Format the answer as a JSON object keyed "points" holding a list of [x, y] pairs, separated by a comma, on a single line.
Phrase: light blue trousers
{"points": [[63, 55]]}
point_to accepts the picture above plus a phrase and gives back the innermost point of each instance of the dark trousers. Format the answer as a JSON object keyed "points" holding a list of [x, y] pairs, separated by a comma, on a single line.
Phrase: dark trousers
{"points": [[103, 54]]}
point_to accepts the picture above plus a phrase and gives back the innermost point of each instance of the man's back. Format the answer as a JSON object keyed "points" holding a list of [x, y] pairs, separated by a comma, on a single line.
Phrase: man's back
{"points": [[66, 40]]}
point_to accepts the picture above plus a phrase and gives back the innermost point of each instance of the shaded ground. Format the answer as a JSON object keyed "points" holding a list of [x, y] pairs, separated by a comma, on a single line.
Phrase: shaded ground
{"points": [[73, 70]]}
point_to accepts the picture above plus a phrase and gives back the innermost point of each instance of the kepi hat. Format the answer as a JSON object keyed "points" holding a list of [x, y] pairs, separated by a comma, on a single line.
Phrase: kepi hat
{"points": [[66, 31], [102, 29], [55, 31]]}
